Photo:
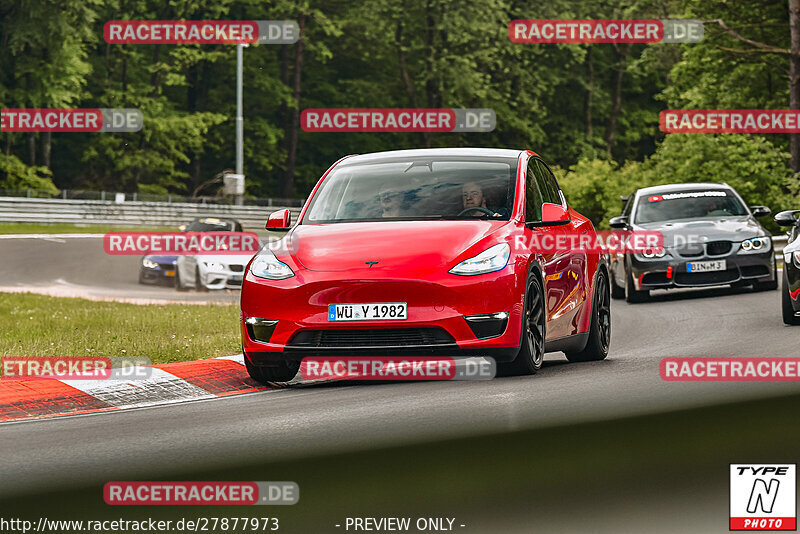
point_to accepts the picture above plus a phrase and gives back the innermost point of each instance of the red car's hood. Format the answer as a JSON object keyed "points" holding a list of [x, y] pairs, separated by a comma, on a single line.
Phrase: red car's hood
{"points": [[393, 244]]}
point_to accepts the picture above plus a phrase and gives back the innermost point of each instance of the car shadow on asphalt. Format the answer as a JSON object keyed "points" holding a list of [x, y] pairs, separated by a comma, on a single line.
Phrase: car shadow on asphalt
{"points": [[696, 293]]}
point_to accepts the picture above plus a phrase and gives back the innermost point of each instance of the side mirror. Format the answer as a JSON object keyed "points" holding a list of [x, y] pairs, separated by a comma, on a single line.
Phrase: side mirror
{"points": [[760, 211], [279, 221], [552, 215], [787, 218], [619, 222], [624, 198]]}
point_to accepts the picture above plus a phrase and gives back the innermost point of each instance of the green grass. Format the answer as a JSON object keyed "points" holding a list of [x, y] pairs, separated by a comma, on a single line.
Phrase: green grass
{"points": [[36, 325], [17, 228]]}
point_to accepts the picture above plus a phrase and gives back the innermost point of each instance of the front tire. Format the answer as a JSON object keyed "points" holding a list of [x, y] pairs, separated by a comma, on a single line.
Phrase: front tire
{"points": [[179, 281], [198, 281], [531, 353], [789, 316], [599, 328], [633, 295], [772, 284], [263, 375], [617, 292]]}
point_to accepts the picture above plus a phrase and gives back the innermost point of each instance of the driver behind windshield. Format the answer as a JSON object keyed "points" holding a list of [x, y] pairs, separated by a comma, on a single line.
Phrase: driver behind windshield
{"points": [[475, 202]]}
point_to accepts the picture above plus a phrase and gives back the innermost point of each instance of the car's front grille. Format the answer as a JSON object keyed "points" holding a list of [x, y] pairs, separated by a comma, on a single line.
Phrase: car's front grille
{"points": [[236, 268], [717, 248], [232, 282], [690, 251], [395, 337], [710, 278], [167, 266]]}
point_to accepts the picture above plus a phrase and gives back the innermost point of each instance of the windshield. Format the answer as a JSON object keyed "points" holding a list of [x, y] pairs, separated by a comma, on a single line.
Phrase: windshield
{"points": [[688, 205], [209, 225], [416, 189]]}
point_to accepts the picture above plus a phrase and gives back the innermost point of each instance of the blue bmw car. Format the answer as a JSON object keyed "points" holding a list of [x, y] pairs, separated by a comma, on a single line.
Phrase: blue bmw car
{"points": [[156, 269]]}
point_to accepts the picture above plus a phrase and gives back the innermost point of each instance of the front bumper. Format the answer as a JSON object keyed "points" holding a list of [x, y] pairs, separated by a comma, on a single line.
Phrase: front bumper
{"points": [[163, 274], [435, 324], [655, 273], [227, 277]]}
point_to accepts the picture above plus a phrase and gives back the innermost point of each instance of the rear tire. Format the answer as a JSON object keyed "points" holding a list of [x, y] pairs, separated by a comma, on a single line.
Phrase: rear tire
{"points": [[531, 353], [632, 295], [263, 375], [599, 328], [788, 311]]}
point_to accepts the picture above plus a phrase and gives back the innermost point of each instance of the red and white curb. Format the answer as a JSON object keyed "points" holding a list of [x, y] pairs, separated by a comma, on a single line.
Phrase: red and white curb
{"points": [[169, 384]]}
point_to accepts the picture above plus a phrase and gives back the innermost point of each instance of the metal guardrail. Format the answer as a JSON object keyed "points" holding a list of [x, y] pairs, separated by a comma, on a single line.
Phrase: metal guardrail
{"points": [[144, 214], [78, 194]]}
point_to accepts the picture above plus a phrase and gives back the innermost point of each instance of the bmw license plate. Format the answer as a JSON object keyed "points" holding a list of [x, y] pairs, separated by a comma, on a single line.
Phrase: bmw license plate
{"points": [[706, 266], [169, 273], [236, 277], [370, 311]]}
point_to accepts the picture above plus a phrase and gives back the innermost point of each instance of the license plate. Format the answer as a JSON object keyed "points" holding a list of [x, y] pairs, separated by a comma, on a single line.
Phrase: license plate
{"points": [[236, 277], [169, 273], [370, 311], [706, 266]]}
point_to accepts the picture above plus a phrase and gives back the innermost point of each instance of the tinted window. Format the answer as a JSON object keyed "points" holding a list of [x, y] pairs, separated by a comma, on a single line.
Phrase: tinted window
{"points": [[533, 194], [416, 188], [548, 184], [688, 205]]}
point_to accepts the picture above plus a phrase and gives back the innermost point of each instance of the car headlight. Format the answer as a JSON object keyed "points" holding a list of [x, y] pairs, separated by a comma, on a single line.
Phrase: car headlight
{"points": [[796, 256], [266, 265], [490, 260], [149, 264], [653, 253], [755, 245], [213, 266]]}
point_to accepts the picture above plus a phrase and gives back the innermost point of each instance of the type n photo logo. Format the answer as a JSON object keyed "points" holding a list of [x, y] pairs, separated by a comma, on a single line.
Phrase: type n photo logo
{"points": [[763, 497]]}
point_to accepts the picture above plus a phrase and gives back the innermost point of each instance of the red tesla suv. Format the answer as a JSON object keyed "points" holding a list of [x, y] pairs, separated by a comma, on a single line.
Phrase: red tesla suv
{"points": [[427, 252]]}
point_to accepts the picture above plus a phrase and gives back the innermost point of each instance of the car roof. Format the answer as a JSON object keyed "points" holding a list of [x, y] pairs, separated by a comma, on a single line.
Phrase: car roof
{"points": [[667, 188], [432, 152]]}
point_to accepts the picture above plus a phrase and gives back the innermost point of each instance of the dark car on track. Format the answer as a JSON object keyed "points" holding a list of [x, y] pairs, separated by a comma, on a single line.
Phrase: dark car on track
{"points": [[427, 252], [790, 293], [157, 269], [711, 238]]}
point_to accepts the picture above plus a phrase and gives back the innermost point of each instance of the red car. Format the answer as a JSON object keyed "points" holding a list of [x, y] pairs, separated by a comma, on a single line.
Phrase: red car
{"points": [[427, 252]]}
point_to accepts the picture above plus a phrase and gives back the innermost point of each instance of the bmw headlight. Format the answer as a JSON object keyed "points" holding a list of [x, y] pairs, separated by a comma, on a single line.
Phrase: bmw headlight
{"points": [[756, 245], [652, 253], [490, 260], [149, 264], [266, 265]]}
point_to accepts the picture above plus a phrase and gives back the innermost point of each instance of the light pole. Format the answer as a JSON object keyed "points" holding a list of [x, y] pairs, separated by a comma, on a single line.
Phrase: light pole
{"points": [[239, 125]]}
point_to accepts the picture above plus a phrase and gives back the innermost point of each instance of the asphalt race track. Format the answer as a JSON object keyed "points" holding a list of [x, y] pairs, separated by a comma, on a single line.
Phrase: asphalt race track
{"points": [[306, 421], [78, 266]]}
